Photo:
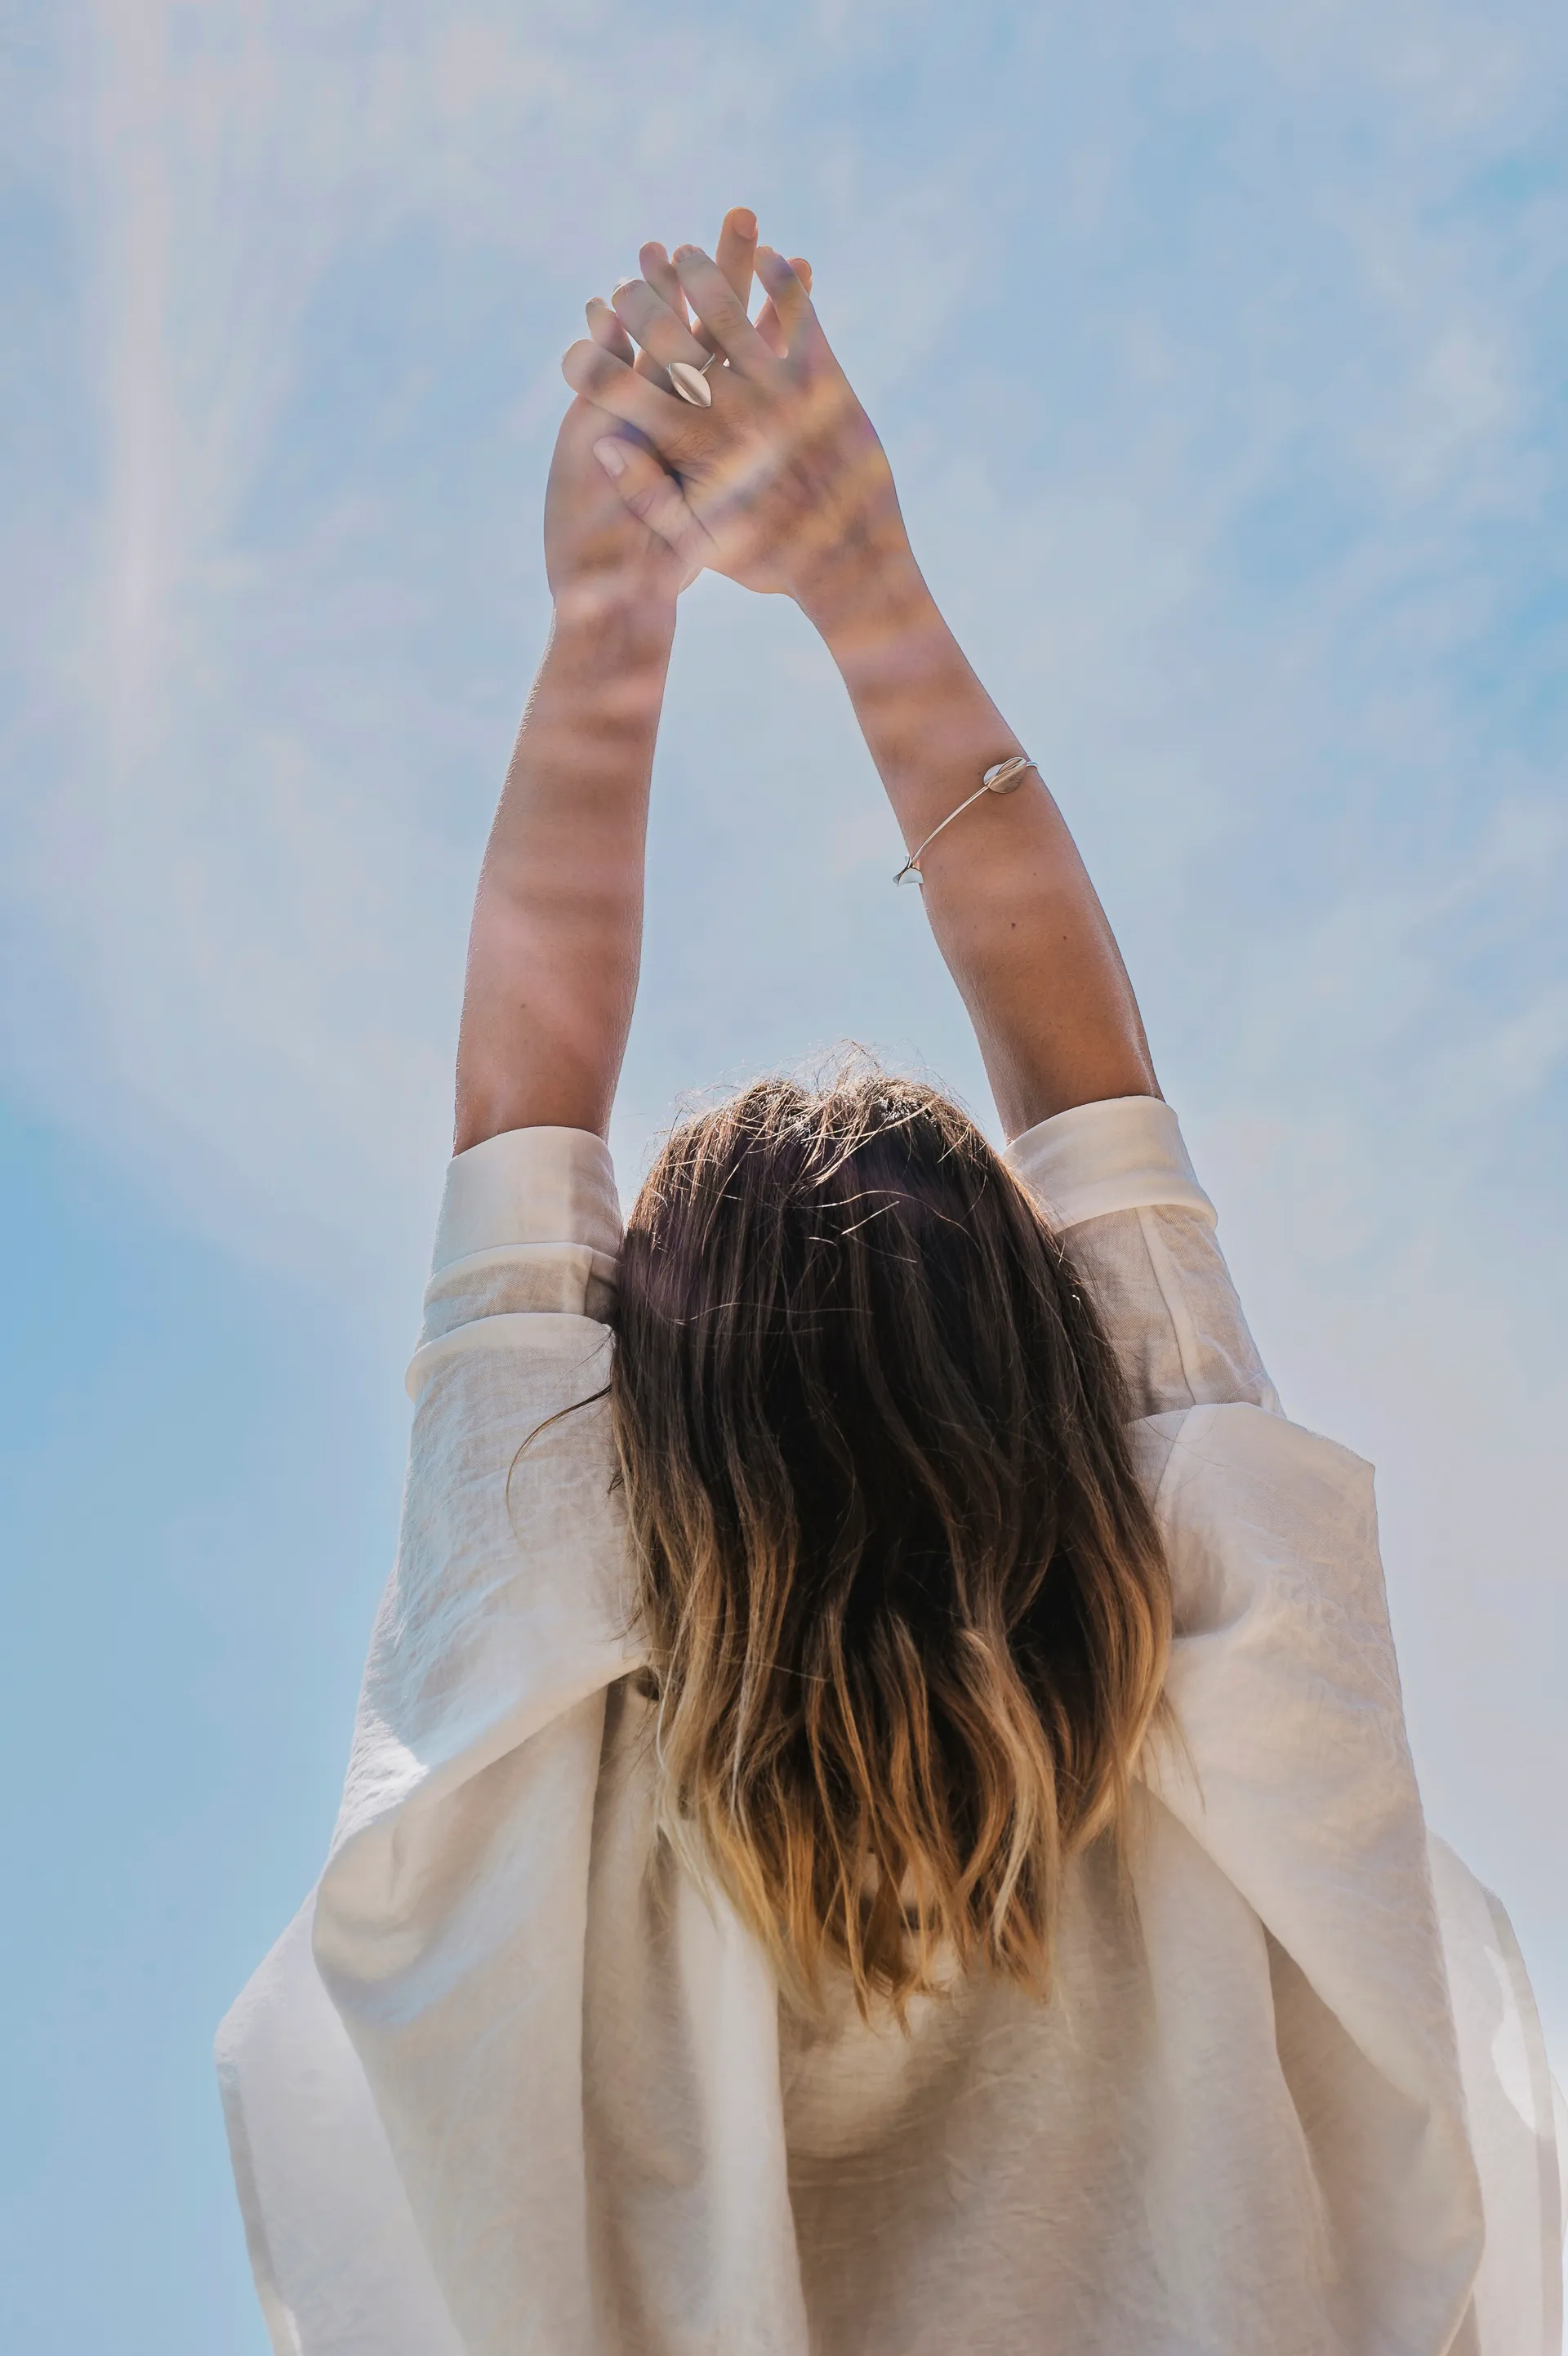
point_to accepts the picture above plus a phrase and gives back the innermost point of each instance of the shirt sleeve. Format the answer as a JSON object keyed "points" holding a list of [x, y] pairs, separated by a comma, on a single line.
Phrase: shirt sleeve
{"points": [[1115, 1181], [530, 1226], [1285, 1760], [449, 1923], [508, 1603]]}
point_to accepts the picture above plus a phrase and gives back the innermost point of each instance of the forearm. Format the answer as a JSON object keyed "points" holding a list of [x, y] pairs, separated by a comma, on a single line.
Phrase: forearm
{"points": [[1009, 901], [557, 931]]}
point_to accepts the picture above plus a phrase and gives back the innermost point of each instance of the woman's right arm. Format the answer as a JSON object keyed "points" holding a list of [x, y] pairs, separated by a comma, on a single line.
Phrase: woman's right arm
{"points": [[1010, 902]]}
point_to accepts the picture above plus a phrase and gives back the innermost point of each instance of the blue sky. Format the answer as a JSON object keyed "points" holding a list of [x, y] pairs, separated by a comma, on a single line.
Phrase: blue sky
{"points": [[1220, 353]]}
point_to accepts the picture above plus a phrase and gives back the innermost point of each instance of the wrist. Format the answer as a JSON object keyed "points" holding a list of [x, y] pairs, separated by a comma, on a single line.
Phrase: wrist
{"points": [[601, 681], [881, 625], [609, 617], [863, 594]]}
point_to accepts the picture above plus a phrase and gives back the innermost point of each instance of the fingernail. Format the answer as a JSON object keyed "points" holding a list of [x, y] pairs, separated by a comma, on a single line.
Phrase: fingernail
{"points": [[745, 220], [687, 252], [620, 287], [611, 457]]}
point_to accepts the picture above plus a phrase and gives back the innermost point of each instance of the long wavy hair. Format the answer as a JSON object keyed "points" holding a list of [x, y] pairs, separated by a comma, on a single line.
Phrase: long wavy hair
{"points": [[907, 1605]]}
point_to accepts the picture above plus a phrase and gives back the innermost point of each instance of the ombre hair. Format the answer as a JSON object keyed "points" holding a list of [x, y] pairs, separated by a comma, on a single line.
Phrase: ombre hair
{"points": [[907, 1605]]}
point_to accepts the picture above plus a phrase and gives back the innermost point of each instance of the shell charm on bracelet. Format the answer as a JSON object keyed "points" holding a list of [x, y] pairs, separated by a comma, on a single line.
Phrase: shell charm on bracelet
{"points": [[691, 384], [1002, 778]]}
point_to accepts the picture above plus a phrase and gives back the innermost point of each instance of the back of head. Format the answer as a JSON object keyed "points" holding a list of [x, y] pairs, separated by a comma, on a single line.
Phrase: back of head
{"points": [[907, 1608]]}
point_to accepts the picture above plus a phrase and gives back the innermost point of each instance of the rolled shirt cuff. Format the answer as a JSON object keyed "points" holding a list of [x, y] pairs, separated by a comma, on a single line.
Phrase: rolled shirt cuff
{"points": [[529, 1187], [1123, 1154]]}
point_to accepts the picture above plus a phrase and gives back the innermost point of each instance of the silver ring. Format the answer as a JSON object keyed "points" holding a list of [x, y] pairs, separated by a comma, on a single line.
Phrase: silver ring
{"points": [[691, 384]]}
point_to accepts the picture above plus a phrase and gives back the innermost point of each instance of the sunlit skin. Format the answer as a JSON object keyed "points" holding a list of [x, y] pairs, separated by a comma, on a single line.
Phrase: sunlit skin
{"points": [[783, 486]]}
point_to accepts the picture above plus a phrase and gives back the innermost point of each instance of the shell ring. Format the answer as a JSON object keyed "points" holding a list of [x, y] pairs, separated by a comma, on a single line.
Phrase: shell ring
{"points": [[691, 384]]}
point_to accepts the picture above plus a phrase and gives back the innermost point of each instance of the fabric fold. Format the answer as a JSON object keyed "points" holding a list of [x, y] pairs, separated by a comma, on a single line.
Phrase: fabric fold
{"points": [[529, 1187], [1293, 1772]]}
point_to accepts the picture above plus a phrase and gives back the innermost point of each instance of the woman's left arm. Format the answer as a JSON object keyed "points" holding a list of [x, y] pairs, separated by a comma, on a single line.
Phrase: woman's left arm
{"points": [[557, 930]]}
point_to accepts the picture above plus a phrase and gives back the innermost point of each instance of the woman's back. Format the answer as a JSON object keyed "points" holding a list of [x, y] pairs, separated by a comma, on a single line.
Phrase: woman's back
{"points": [[609, 2131]]}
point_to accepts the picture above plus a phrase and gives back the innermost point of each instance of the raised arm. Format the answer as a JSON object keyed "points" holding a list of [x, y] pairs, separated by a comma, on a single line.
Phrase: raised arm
{"points": [[557, 929], [1009, 899], [781, 483]]}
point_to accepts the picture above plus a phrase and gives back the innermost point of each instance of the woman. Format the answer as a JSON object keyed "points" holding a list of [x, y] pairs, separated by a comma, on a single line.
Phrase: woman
{"points": [[880, 1820]]}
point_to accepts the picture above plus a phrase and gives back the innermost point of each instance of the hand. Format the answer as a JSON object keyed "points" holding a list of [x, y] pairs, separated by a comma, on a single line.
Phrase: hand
{"points": [[781, 484], [595, 548], [598, 553], [735, 254]]}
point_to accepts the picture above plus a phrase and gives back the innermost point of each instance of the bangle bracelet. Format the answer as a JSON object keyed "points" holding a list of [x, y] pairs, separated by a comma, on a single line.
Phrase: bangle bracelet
{"points": [[1003, 778]]}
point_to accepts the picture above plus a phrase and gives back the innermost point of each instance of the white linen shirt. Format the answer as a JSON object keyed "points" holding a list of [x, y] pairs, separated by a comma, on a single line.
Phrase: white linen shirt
{"points": [[513, 2084]]}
